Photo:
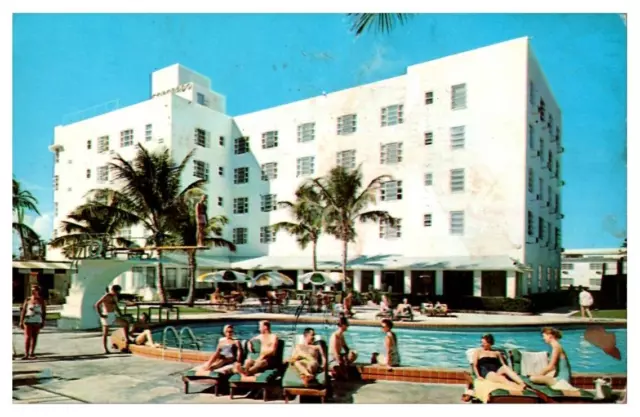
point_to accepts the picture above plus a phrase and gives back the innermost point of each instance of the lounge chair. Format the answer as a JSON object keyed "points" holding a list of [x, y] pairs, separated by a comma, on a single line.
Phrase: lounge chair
{"points": [[498, 395], [320, 387], [265, 380], [215, 378], [546, 393], [426, 309], [388, 314], [407, 314]]}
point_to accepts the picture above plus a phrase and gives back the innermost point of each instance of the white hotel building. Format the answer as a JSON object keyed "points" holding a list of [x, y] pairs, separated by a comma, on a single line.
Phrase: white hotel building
{"points": [[473, 141]]}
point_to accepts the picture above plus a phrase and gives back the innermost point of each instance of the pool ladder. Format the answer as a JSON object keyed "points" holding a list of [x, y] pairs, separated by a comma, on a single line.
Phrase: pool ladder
{"points": [[180, 339]]}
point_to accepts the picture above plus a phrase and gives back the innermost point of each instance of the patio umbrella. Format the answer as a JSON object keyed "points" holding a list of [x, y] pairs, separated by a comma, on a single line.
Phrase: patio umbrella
{"points": [[227, 276], [272, 279], [319, 278]]}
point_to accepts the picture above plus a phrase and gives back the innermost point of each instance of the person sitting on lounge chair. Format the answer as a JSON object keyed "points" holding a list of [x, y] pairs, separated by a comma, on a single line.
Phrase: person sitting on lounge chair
{"points": [[306, 357], [216, 297], [489, 364], [558, 368], [268, 348], [141, 333], [340, 352], [228, 353], [404, 307]]}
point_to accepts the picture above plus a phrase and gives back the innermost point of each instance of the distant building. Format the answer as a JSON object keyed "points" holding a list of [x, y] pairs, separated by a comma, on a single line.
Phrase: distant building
{"points": [[586, 267], [473, 141]]}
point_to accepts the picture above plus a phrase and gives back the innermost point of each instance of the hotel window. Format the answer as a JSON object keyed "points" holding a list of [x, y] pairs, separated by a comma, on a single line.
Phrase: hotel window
{"points": [[549, 233], [221, 171], [541, 188], [55, 209], [595, 282], [220, 201], [428, 179], [540, 228], [305, 166], [529, 223], [103, 174], [558, 238], [306, 132], [391, 191], [428, 97], [171, 277], [241, 175], [347, 124], [388, 231], [539, 278], [457, 180], [427, 218], [456, 222], [103, 144], [596, 266], [392, 115], [428, 138], [201, 137], [550, 161], [268, 202], [241, 205], [530, 140], [557, 169], [269, 171], [126, 138], [200, 99], [346, 159], [567, 267], [138, 276], [241, 145], [541, 151], [531, 93], [88, 173], [530, 180], [240, 235], [541, 109], [567, 282], [459, 97], [183, 281], [549, 196], [201, 170], [88, 143], [557, 205], [150, 277], [148, 132], [270, 139], [555, 238], [457, 137], [221, 140], [267, 234], [391, 153], [550, 125]]}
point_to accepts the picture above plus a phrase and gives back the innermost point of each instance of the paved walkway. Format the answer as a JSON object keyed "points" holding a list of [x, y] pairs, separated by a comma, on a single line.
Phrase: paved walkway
{"points": [[71, 369]]}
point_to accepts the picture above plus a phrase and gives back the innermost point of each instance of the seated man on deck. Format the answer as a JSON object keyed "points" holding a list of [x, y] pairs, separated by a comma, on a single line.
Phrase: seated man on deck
{"points": [[306, 357], [268, 348]]}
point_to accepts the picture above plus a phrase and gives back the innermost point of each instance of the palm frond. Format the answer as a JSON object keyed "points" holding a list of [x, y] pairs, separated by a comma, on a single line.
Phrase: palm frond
{"points": [[379, 22]]}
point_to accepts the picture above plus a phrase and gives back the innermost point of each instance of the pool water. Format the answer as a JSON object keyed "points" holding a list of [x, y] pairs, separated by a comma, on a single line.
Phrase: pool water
{"points": [[441, 348]]}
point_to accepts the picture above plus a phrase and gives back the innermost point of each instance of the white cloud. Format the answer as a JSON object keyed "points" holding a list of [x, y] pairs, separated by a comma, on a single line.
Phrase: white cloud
{"points": [[380, 64], [43, 225]]}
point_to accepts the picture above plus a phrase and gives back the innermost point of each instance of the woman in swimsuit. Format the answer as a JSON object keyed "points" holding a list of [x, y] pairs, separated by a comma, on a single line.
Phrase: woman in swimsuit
{"points": [[558, 368], [32, 317], [489, 364], [229, 351], [392, 354]]}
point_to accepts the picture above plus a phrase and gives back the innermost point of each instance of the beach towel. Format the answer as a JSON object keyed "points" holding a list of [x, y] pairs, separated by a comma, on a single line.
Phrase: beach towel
{"points": [[533, 363], [483, 389]]}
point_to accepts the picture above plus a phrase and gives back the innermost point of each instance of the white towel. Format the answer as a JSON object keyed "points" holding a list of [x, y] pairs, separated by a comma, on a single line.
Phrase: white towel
{"points": [[533, 362], [562, 385], [300, 338]]}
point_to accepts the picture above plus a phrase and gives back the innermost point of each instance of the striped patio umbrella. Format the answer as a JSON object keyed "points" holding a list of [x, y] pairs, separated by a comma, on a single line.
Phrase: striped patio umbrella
{"points": [[227, 276], [319, 278], [272, 279]]}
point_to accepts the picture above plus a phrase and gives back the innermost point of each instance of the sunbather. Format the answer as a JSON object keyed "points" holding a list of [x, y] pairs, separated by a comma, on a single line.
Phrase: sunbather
{"points": [[216, 297], [340, 352], [141, 334], [489, 364], [306, 357], [227, 354], [267, 358], [385, 305], [404, 307], [558, 368]]}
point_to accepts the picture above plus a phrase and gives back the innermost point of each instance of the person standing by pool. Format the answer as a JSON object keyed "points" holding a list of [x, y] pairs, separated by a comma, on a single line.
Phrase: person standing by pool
{"points": [[227, 354], [32, 318], [306, 357], [340, 352], [489, 364], [392, 353], [110, 315], [586, 301], [347, 303], [268, 348], [558, 365]]}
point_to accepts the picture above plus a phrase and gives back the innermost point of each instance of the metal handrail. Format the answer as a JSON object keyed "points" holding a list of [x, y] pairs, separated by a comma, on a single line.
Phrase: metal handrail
{"points": [[190, 333], [164, 338]]}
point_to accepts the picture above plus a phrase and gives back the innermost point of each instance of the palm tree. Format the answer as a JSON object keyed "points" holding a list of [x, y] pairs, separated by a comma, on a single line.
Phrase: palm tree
{"points": [[346, 201], [95, 221], [151, 193], [306, 210], [381, 22], [24, 201], [182, 232]]}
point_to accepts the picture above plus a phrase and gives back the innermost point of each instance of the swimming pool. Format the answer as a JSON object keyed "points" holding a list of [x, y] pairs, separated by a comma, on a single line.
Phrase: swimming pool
{"points": [[432, 348]]}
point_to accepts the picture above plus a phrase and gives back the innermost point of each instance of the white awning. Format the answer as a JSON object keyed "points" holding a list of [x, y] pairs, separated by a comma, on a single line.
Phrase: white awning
{"points": [[25, 267]]}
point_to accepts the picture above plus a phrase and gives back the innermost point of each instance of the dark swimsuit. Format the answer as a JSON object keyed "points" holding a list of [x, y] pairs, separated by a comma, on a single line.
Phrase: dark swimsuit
{"points": [[486, 365]]}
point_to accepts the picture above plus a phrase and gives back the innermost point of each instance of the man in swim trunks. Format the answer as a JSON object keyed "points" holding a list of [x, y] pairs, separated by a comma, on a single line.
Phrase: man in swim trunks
{"points": [[306, 357], [340, 352], [268, 348], [110, 316]]}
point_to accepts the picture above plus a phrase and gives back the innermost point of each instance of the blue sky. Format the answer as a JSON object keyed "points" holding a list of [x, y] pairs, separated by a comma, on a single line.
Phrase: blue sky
{"points": [[64, 63]]}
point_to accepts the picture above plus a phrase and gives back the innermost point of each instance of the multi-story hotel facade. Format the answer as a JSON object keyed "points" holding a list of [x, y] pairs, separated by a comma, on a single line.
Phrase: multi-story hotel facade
{"points": [[472, 141]]}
